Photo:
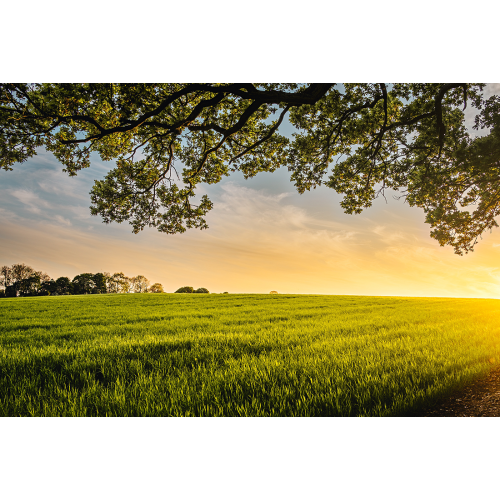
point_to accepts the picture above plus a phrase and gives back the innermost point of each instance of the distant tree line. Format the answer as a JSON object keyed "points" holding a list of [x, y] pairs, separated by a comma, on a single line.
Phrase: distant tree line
{"points": [[190, 289], [21, 280]]}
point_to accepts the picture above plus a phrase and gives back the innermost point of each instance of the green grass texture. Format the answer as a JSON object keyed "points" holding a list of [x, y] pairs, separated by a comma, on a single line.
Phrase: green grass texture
{"points": [[240, 355]]}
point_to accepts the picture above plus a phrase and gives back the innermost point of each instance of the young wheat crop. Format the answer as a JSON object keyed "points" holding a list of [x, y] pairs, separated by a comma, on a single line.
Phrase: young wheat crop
{"points": [[239, 355]]}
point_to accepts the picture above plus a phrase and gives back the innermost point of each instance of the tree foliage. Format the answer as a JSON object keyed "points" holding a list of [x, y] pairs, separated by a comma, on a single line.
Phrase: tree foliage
{"points": [[29, 286], [63, 286], [140, 284], [83, 283], [24, 281], [358, 139], [156, 288]]}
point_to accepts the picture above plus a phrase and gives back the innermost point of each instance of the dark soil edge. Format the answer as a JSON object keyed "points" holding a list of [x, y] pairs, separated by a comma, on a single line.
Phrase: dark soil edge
{"points": [[479, 399]]}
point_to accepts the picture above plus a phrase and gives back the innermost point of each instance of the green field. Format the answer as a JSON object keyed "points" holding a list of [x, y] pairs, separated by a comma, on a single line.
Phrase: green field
{"points": [[240, 355]]}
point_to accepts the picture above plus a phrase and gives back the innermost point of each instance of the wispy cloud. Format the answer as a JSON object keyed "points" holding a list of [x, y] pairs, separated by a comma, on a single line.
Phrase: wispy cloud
{"points": [[62, 220], [32, 202]]}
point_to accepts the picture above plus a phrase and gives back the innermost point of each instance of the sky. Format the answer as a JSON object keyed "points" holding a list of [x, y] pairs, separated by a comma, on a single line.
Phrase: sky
{"points": [[262, 236]]}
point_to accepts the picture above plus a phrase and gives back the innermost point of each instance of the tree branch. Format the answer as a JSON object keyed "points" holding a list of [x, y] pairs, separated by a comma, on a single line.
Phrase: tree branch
{"points": [[265, 138], [254, 106], [310, 95], [439, 109]]}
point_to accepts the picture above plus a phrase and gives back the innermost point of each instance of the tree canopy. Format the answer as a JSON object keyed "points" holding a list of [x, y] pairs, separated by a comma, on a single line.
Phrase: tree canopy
{"points": [[23, 280], [358, 139]]}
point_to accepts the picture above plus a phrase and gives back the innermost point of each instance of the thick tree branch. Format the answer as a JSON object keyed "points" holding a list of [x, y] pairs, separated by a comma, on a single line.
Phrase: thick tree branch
{"points": [[235, 128], [265, 138], [309, 96], [345, 116], [383, 128]]}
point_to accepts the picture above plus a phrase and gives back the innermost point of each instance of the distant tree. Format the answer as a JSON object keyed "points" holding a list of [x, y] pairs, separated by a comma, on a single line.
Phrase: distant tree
{"points": [[21, 272], [139, 284], [121, 283], [21, 279], [156, 288], [83, 284], [2, 294], [110, 285], [113, 283], [201, 290], [185, 289], [30, 286], [99, 280], [48, 287], [43, 276], [6, 276], [63, 286]]}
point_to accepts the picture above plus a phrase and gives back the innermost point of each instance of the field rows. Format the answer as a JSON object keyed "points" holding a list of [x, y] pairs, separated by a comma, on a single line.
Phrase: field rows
{"points": [[232, 355]]}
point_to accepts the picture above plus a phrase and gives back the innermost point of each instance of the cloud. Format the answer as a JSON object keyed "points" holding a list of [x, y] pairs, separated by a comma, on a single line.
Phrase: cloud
{"points": [[32, 201], [62, 220], [267, 213]]}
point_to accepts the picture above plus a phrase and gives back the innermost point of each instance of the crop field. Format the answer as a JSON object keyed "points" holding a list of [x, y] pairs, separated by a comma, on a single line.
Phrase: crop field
{"points": [[240, 355]]}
